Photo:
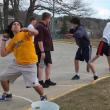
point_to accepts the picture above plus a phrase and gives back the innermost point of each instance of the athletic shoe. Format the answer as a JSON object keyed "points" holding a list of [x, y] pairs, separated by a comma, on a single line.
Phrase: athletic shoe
{"points": [[43, 98], [43, 84], [76, 77], [95, 77], [6, 97], [50, 83]]}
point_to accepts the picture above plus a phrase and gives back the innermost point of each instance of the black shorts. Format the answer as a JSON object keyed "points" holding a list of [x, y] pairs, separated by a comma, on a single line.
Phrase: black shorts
{"points": [[47, 60], [84, 54], [103, 48]]}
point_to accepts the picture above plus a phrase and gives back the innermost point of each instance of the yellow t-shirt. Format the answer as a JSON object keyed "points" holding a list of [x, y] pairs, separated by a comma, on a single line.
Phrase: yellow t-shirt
{"points": [[23, 48]]}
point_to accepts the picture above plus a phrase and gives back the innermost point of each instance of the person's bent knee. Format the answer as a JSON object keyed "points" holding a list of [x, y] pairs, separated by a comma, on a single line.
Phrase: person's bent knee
{"points": [[89, 63], [37, 86]]}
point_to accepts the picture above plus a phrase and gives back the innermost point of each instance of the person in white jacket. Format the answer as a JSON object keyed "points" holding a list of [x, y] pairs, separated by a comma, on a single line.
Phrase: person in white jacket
{"points": [[33, 22], [103, 48]]}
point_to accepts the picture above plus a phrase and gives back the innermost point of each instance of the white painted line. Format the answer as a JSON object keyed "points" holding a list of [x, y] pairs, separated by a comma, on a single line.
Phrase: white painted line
{"points": [[74, 89], [67, 92], [99, 79], [79, 87], [64, 85], [24, 98]]}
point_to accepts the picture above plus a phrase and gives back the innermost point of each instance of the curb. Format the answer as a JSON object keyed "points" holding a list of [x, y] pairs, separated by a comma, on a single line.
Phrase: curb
{"points": [[80, 87], [75, 89]]}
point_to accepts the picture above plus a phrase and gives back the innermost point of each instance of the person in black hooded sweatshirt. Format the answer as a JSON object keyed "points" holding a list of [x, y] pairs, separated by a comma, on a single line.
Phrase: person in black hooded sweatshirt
{"points": [[84, 46]]}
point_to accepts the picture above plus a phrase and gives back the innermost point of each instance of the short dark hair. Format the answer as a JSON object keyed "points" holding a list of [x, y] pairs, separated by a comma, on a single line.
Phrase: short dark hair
{"points": [[75, 20], [33, 18], [46, 15]]}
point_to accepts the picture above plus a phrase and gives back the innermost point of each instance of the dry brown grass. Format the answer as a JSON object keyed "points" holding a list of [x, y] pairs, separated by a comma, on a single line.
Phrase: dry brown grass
{"points": [[92, 97]]}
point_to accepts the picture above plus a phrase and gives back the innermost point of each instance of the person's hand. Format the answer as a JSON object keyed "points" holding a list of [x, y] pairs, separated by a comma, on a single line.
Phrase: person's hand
{"points": [[24, 29], [5, 37], [101, 38], [69, 35], [43, 55]]}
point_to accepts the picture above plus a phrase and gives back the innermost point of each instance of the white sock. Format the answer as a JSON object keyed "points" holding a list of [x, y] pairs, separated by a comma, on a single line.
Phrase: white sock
{"points": [[5, 92], [77, 74], [95, 74]]}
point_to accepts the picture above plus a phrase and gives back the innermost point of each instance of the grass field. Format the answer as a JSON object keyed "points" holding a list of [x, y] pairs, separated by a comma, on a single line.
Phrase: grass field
{"points": [[92, 97]]}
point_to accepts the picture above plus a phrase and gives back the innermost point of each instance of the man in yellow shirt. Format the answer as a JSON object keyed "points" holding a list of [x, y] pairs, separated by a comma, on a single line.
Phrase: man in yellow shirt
{"points": [[25, 60]]}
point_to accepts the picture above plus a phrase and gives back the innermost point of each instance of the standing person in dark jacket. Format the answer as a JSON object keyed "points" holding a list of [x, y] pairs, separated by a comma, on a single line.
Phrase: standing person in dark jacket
{"points": [[44, 46], [84, 51]]}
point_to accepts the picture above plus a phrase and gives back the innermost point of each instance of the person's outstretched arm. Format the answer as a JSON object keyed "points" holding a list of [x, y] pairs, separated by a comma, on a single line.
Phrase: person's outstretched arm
{"points": [[31, 31]]}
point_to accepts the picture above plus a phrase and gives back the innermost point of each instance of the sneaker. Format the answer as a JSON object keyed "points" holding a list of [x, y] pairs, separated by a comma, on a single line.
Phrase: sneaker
{"points": [[43, 98], [95, 77], [50, 83], [43, 84], [6, 97], [76, 77]]}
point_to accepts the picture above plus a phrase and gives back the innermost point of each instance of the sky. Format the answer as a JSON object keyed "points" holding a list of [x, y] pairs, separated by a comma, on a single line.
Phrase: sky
{"points": [[101, 8]]}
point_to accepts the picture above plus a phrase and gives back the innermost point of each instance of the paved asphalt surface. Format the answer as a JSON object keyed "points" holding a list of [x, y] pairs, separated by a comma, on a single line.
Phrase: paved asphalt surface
{"points": [[62, 72]]}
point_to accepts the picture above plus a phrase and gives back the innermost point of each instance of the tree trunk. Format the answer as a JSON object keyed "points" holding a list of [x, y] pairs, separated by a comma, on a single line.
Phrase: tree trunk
{"points": [[15, 6], [30, 11], [28, 15], [16, 10], [5, 12], [1, 24]]}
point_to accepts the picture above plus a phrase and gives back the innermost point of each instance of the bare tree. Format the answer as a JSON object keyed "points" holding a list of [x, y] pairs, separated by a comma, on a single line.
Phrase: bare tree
{"points": [[5, 12], [76, 7], [30, 10], [1, 20], [15, 6], [72, 8]]}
